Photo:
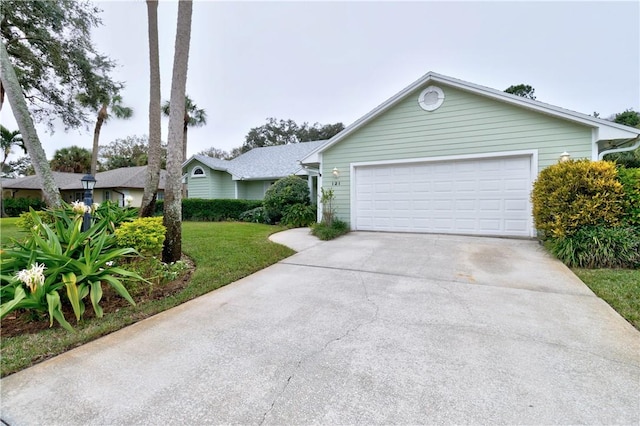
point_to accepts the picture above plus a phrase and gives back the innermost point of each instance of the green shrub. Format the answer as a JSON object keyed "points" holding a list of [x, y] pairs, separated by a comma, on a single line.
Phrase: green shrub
{"points": [[298, 215], [13, 207], [216, 210], [257, 215], [329, 232], [599, 247], [573, 194], [25, 222], [630, 179], [145, 235], [285, 192]]}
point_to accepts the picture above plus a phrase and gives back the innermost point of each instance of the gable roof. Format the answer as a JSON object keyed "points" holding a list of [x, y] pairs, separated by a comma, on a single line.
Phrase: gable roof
{"points": [[262, 163], [605, 130], [125, 177]]}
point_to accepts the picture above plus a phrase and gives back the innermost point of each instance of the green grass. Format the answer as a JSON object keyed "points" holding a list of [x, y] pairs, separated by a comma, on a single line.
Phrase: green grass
{"points": [[8, 230], [222, 251], [620, 288]]}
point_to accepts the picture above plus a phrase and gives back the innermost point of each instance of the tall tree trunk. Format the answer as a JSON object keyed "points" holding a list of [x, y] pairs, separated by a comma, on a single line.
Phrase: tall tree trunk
{"points": [[172, 250], [184, 149], [28, 130], [154, 153], [102, 115], [185, 128]]}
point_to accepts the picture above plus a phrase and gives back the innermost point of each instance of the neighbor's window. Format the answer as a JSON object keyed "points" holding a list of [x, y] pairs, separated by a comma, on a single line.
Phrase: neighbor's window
{"points": [[197, 172], [107, 195]]}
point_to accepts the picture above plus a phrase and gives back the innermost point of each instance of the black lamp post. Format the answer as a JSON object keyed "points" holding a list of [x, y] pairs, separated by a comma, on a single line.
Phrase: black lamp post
{"points": [[88, 183]]}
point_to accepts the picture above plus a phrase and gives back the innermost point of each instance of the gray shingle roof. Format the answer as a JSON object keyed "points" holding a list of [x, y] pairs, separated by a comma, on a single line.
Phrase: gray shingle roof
{"points": [[126, 177], [263, 163]]}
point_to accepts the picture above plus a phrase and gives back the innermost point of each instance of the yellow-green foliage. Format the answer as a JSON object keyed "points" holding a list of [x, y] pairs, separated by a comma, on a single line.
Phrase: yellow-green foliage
{"points": [[26, 222], [146, 235], [630, 179], [576, 193]]}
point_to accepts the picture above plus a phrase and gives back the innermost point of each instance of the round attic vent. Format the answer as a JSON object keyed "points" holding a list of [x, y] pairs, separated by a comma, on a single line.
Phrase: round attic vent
{"points": [[431, 98]]}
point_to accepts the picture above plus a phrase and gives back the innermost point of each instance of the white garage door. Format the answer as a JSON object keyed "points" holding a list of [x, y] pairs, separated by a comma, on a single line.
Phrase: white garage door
{"points": [[487, 196]]}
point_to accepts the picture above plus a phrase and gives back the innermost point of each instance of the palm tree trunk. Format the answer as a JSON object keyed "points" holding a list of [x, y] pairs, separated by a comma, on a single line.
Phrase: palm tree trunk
{"points": [[102, 115], [184, 150], [20, 110], [155, 134], [172, 250]]}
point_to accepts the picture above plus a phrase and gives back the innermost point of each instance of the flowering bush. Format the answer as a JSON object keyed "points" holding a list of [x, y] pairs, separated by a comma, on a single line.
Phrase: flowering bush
{"points": [[61, 256]]}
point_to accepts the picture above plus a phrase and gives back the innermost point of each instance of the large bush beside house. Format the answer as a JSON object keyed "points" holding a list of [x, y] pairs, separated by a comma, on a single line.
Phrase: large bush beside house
{"points": [[587, 213], [570, 195], [284, 193]]}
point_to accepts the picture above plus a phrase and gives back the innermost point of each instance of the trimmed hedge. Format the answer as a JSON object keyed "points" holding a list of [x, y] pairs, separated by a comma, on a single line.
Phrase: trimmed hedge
{"points": [[217, 210], [15, 206]]}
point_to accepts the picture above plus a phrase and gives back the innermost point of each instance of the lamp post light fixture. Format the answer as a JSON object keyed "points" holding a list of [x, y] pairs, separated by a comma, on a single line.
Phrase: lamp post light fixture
{"points": [[88, 183], [565, 156]]}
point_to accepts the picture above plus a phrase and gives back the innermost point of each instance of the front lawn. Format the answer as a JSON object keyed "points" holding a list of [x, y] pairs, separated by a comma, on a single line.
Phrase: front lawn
{"points": [[8, 230], [222, 251], [620, 288]]}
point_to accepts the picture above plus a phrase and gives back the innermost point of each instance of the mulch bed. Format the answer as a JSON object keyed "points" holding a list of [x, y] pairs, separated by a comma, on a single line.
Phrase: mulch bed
{"points": [[21, 322]]}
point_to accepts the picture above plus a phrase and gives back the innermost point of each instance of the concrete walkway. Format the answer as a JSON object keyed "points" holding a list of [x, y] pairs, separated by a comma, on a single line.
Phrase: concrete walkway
{"points": [[366, 329]]}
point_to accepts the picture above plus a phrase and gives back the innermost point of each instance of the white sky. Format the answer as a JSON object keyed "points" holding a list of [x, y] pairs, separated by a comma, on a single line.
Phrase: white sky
{"points": [[335, 61]]}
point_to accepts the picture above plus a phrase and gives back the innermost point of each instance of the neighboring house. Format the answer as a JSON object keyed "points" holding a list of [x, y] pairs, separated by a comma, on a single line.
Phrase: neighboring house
{"points": [[249, 175], [114, 185], [448, 156]]}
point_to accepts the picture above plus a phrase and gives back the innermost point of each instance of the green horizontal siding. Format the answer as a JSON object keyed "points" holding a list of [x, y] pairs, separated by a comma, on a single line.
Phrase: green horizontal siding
{"points": [[214, 184], [251, 189], [466, 123]]}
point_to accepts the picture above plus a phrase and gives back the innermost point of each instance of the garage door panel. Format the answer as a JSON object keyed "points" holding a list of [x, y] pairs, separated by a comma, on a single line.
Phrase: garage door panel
{"points": [[480, 196]]}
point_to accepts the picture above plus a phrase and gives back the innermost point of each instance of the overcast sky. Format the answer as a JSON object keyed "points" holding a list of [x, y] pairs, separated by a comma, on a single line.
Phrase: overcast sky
{"points": [[335, 61]]}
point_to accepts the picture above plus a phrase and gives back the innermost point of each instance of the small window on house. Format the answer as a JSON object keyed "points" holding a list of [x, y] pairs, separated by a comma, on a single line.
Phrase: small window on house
{"points": [[160, 196], [79, 196], [107, 195], [197, 172]]}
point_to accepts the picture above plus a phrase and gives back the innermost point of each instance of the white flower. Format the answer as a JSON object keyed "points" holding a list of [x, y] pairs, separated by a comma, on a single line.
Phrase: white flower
{"points": [[109, 263], [94, 207], [32, 277], [78, 207], [128, 199]]}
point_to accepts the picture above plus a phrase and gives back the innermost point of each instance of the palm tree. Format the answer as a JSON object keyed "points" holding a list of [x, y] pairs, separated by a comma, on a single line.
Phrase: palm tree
{"points": [[71, 160], [193, 117], [117, 110], [155, 144], [15, 95], [172, 218], [9, 139]]}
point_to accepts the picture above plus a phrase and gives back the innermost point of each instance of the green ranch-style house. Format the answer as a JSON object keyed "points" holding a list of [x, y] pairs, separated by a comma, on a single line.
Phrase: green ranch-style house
{"points": [[448, 156], [441, 156]]}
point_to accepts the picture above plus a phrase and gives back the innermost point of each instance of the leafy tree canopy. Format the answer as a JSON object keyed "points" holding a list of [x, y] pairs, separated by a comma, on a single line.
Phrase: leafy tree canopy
{"points": [[20, 167], [128, 152], [282, 132], [628, 117], [49, 43], [216, 153], [523, 90], [73, 159]]}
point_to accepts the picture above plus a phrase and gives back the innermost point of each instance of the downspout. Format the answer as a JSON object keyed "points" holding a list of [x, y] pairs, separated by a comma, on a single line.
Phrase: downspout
{"points": [[629, 148]]}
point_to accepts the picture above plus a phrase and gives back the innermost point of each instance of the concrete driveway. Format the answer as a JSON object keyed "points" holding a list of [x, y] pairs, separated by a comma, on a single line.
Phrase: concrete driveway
{"points": [[366, 329]]}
